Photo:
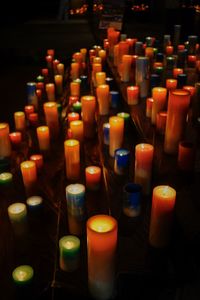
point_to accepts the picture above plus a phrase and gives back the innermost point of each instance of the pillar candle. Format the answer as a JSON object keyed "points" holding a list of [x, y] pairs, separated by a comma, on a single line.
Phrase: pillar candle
{"points": [[132, 95], [51, 117], [28, 110], [132, 199], [139, 48], [33, 119], [77, 130], [178, 105], [95, 68], [143, 166], [72, 159], [75, 88], [51, 52], [73, 116], [122, 160], [116, 55], [59, 84], [23, 275], [171, 83], [83, 51], [75, 196], [101, 249], [17, 214], [38, 159], [149, 104], [55, 63], [50, 90], [126, 68], [163, 202], [69, 249], [43, 138], [161, 119], [142, 75], [102, 55], [159, 95], [5, 145], [92, 177], [49, 60], [114, 99], [169, 50], [6, 179], [73, 99], [177, 71], [75, 70], [116, 134], [45, 73], [34, 205], [31, 94], [60, 69], [100, 78], [186, 156], [77, 106], [88, 115], [20, 122], [29, 175], [102, 92], [191, 60]]}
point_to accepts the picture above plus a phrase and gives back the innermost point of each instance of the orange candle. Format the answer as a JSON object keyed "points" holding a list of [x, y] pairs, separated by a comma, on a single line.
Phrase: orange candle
{"points": [[102, 55], [55, 63], [73, 99], [149, 52], [59, 84], [72, 159], [178, 105], [169, 50], [186, 156], [96, 60], [123, 49], [161, 119], [43, 138], [5, 146], [60, 69], [45, 72], [93, 177], [189, 88], [149, 104], [77, 130], [100, 78], [95, 68], [73, 116], [101, 250], [143, 166], [177, 71], [29, 175], [20, 122], [163, 202], [180, 47], [116, 134], [171, 83], [75, 88], [50, 90], [15, 138], [88, 115], [84, 53], [126, 68], [49, 60], [159, 95], [75, 70], [132, 95], [51, 117], [28, 110], [38, 159], [103, 98], [113, 37]]}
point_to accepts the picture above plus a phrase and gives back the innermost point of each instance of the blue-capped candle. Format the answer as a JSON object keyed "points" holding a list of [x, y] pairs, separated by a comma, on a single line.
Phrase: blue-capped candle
{"points": [[75, 195], [114, 95], [121, 164], [106, 133], [31, 94], [132, 199]]}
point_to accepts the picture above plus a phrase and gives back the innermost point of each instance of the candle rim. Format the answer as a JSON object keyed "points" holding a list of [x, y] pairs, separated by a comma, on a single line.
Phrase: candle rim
{"points": [[19, 205], [144, 146], [94, 168], [50, 104], [27, 164], [71, 188], [43, 128], [70, 238], [38, 200], [25, 268], [171, 191], [71, 142], [180, 92], [104, 216]]}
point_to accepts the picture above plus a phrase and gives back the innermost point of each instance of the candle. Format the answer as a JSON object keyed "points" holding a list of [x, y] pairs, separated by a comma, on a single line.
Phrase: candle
{"points": [[5, 146], [106, 133], [75, 70], [69, 248], [45, 73], [132, 95], [23, 275], [20, 122], [59, 84], [31, 94], [73, 116], [29, 175], [100, 78], [84, 53], [75, 88], [115, 100], [95, 68], [73, 99], [51, 52], [93, 177], [126, 68], [28, 110], [17, 214], [186, 156], [121, 164], [77, 106], [142, 75], [125, 116], [102, 92], [101, 249], [38, 159], [34, 204], [60, 69], [116, 134], [33, 119], [132, 199], [102, 55], [143, 166], [15, 138], [177, 71], [181, 80], [149, 104], [159, 95], [6, 179], [178, 105], [88, 115], [163, 202], [171, 84], [169, 50], [51, 117], [55, 63], [72, 158], [75, 196], [43, 138], [77, 130], [50, 90], [161, 119]]}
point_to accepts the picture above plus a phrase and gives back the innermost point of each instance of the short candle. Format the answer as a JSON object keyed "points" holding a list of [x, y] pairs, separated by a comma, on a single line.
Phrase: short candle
{"points": [[34, 203], [69, 246], [23, 275], [93, 177], [5, 178], [38, 159], [121, 164], [15, 138]]}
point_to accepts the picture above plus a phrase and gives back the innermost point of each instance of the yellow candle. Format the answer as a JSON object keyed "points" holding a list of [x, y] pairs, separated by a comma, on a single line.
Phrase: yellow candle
{"points": [[100, 78], [50, 90], [72, 159], [17, 214], [163, 202], [5, 145], [60, 69], [116, 134], [43, 138], [101, 249], [126, 68], [75, 88], [59, 84], [51, 117], [29, 175], [88, 115], [77, 130], [103, 98], [159, 95], [20, 121], [102, 55]]}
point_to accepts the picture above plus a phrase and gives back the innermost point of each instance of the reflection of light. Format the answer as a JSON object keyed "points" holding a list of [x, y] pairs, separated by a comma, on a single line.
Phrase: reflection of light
{"points": [[141, 7]]}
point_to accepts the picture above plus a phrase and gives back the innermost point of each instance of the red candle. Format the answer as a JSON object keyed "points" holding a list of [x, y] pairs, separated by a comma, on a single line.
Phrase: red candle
{"points": [[161, 121], [73, 116], [45, 72], [177, 71], [181, 47], [73, 99], [38, 159], [93, 177], [15, 138], [159, 95], [186, 156], [189, 88], [49, 60], [169, 50], [132, 95], [149, 105], [192, 60], [171, 84], [40, 86], [28, 110], [51, 52], [39, 94], [33, 119]]}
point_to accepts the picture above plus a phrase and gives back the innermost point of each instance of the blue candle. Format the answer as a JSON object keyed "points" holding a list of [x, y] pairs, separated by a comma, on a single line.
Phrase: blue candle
{"points": [[114, 99], [31, 94], [121, 164], [132, 199], [106, 133]]}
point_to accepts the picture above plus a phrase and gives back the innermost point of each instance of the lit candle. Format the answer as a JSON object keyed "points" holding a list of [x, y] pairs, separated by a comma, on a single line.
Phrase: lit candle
{"points": [[20, 122], [100, 78], [69, 248], [6, 179], [102, 55], [116, 134], [33, 119], [77, 130], [51, 52], [15, 138], [126, 68], [29, 175], [178, 105], [88, 115], [95, 68], [132, 199], [163, 202], [55, 63], [102, 92], [73, 116], [59, 84], [28, 110], [101, 249], [74, 88], [31, 94], [121, 164], [93, 177], [132, 95], [149, 104], [77, 106], [116, 55], [75, 70], [17, 214], [23, 275], [142, 75], [72, 158], [84, 53], [43, 138], [143, 166], [159, 95], [169, 50], [171, 84], [38, 159], [34, 204], [106, 133], [5, 145], [161, 119], [60, 69], [125, 116], [73, 99], [186, 156], [45, 73], [192, 61], [177, 71], [51, 117], [75, 196], [50, 90]]}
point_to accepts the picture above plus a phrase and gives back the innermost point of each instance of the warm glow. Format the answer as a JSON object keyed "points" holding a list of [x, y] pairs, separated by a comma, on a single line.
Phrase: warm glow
{"points": [[16, 208], [27, 164], [102, 224], [71, 143], [165, 191]]}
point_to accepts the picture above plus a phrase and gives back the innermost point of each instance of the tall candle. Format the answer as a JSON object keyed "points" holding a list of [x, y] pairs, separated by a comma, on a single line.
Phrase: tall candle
{"points": [[102, 92], [31, 94], [101, 249], [5, 146], [38, 159], [132, 95], [43, 138], [178, 105], [88, 115], [142, 75], [60, 69], [72, 159], [92, 177], [163, 202], [74, 88], [77, 130], [59, 83], [159, 95], [161, 119], [95, 68], [149, 105], [116, 134], [143, 166], [126, 68], [51, 117], [100, 78], [75, 70], [17, 214], [20, 122], [177, 71], [50, 90], [69, 248], [29, 175]]}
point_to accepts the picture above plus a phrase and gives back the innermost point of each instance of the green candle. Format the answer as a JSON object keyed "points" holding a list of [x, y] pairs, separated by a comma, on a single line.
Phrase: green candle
{"points": [[40, 78], [69, 246], [5, 178], [78, 80], [23, 275], [125, 116], [77, 106]]}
